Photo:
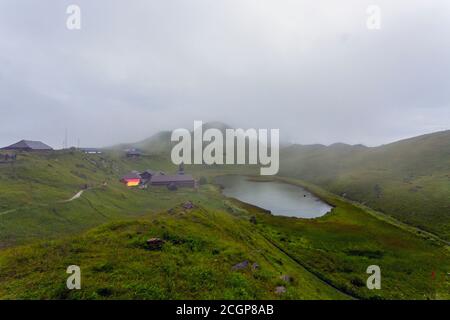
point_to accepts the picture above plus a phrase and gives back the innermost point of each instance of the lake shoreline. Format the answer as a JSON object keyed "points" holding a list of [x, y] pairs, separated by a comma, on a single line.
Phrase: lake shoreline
{"points": [[282, 199]]}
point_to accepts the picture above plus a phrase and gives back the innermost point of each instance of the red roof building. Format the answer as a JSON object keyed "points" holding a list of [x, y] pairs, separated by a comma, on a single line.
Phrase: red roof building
{"points": [[132, 179]]}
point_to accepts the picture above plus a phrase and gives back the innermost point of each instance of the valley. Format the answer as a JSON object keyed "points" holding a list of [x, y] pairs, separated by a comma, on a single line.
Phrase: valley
{"points": [[105, 231]]}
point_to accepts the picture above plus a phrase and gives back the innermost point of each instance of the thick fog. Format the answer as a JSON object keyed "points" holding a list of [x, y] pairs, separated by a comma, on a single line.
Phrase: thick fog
{"points": [[313, 69]]}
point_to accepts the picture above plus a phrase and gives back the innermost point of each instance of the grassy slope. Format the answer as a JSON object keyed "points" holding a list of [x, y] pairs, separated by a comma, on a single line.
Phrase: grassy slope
{"points": [[340, 246], [409, 179], [202, 244], [33, 190]]}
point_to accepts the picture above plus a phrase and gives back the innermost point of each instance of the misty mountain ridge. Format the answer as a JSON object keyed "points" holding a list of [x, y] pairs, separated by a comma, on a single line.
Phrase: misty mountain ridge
{"points": [[160, 142], [409, 179]]}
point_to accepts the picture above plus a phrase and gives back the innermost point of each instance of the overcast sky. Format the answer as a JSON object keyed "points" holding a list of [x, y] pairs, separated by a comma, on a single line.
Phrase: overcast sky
{"points": [[310, 68]]}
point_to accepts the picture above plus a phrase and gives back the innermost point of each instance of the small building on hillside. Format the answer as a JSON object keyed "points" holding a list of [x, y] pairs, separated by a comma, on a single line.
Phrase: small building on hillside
{"points": [[91, 150], [148, 174], [184, 180], [28, 145], [132, 179], [133, 153]]}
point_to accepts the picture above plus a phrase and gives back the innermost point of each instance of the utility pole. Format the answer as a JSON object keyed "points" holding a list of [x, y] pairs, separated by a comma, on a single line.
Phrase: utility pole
{"points": [[65, 139]]}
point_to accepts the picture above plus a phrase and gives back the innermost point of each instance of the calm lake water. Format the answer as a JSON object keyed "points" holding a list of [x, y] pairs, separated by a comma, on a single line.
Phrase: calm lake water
{"points": [[281, 199]]}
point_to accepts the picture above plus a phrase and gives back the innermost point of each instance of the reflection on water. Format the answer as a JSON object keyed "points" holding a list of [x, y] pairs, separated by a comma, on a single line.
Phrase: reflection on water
{"points": [[280, 198]]}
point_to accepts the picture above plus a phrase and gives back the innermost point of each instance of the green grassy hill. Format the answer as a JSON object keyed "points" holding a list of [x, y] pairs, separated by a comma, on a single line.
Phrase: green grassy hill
{"points": [[195, 262], [325, 258], [105, 232], [34, 190], [408, 179]]}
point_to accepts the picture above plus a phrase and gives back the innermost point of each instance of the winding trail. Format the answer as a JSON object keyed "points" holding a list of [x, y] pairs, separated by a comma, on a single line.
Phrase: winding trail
{"points": [[76, 196], [7, 211], [79, 193]]}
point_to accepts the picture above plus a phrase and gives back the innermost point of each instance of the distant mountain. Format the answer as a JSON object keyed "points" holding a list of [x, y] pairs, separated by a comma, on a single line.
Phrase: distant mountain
{"points": [[161, 144], [157, 144], [409, 179]]}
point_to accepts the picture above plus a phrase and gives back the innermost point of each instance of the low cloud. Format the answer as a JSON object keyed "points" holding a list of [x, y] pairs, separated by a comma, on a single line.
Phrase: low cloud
{"points": [[310, 68]]}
